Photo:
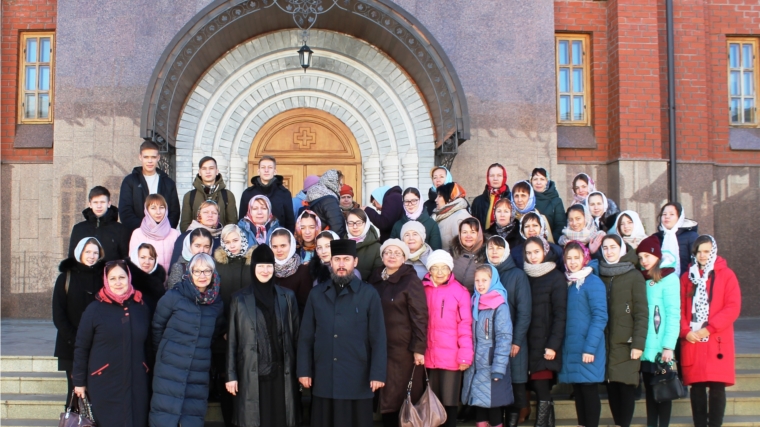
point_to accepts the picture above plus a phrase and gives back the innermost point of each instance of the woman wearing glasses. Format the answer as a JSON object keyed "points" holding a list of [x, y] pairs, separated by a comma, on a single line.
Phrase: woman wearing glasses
{"points": [[406, 319], [187, 318], [414, 211], [366, 236]]}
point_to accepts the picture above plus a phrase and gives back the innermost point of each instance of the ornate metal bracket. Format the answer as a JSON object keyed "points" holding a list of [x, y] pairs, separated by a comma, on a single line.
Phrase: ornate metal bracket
{"points": [[305, 12]]}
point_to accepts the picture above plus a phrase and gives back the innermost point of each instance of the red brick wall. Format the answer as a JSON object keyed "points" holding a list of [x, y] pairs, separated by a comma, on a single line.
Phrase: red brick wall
{"points": [[18, 16], [629, 76]]}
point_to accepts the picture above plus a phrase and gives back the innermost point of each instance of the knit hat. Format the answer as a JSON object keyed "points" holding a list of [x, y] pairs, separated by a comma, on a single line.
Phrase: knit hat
{"points": [[262, 255], [439, 257], [343, 247], [309, 181], [415, 226], [346, 189], [650, 245], [399, 244]]}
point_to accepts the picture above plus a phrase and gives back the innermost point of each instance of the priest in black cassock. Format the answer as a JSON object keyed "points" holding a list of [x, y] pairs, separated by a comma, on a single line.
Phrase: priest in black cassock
{"points": [[342, 344]]}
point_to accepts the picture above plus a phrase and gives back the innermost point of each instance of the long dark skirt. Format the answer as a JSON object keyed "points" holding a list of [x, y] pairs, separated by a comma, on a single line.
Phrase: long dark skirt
{"points": [[339, 412], [272, 399]]}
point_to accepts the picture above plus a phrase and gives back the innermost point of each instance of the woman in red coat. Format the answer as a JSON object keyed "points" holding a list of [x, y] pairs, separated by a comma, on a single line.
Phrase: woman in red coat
{"points": [[710, 304]]}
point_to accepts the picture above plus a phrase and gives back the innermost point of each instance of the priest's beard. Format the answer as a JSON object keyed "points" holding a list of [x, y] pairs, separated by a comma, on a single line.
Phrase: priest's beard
{"points": [[342, 281]]}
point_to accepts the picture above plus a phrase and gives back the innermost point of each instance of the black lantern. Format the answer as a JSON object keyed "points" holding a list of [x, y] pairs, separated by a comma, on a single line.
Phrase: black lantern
{"points": [[304, 55]]}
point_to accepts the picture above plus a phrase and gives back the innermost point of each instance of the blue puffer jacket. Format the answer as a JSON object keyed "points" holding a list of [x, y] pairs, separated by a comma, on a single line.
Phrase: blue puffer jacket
{"points": [[584, 332], [182, 331], [491, 360]]}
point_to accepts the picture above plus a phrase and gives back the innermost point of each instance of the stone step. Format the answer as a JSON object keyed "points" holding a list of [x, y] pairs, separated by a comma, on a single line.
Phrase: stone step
{"points": [[33, 382], [28, 364]]}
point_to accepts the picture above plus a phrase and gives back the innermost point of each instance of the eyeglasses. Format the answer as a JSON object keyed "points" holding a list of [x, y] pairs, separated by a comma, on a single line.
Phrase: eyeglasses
{"points": [[202, 273], [353, 224], [411, 202], [436, 270], [393, 254]]}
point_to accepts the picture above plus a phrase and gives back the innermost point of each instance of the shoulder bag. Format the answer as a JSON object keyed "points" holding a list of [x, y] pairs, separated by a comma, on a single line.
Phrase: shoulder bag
{"points": [[78, 413]]}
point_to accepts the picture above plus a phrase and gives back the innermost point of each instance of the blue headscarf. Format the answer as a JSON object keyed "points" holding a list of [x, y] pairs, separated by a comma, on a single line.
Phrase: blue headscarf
{"points": [[495, 286], [379, 193], [531, 200], [449, 178]]}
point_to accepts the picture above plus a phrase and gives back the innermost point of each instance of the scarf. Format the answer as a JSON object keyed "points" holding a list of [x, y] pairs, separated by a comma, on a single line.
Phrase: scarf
{"points": [[638, 235], [614, 270], [445, 211], [578, 200], [328, 185], [288, 266], [80, 248], [134, 256], [243, 246], [215, 232], [531, 201], [700, 304], [105, 294], [449, 179], [578, 277], [496, 288], [153, 230], [670, 241], [504, 257], [307, 246], [542, 233], [360, 238], [605, 206], [417, 212], [187, 253], [538, 270], [475, 246], [505, 230], [584, 236], [259, 231], [208, 296], [494, 193], [623, 251], [490, 301], [415, 256]]}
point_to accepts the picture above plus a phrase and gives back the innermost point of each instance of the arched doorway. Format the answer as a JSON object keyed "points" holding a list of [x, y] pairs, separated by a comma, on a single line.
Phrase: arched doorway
{"points": [[306, 141]]}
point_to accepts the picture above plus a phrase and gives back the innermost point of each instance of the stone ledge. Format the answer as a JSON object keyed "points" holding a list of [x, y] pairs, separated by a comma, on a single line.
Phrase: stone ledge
{"points": [[575, 137], [744, 138]]}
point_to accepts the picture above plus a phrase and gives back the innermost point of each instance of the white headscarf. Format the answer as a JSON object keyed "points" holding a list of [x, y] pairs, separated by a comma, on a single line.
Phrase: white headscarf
{"points": [[670, 242], [638, 234], [135, 258], [292, 250], [623, 251], [80, 248], [497, 262], [605, 205]]}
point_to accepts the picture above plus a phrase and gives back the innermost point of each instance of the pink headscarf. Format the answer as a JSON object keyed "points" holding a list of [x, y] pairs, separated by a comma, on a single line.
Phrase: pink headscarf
{"points": [[107, 296], [153, 230]]}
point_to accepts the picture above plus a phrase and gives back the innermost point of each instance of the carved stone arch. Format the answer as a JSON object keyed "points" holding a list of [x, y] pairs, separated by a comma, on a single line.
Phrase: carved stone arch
{"points": [[222, 25]]}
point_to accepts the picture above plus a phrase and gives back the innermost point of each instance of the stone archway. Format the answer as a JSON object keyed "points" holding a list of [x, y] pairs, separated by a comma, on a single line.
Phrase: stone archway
{"points": [[349, 79]]}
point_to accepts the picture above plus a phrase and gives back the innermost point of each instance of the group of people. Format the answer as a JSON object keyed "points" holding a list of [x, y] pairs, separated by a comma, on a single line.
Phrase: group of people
{"points": [[356, 307]]}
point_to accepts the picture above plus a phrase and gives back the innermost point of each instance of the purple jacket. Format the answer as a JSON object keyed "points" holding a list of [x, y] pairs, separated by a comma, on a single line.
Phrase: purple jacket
{"points": [[393, 210], [449, 338]]}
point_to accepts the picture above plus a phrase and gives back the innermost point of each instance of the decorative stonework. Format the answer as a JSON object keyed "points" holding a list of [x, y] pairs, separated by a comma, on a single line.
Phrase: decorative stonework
{"points": [[304, 138], [349, 79]]}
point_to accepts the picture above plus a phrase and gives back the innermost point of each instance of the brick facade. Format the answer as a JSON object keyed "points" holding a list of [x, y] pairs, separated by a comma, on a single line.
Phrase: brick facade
{"points": [[629, 79], [18, 16]]}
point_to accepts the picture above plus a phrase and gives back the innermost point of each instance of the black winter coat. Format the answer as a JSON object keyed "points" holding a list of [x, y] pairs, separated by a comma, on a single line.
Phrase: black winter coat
{"points": [[179, 243], [513, 237], [182, 332], [393, 210], [547, 323], [430, 204], [150, 285], [279, 196], [518, 255], [111, 361], [244, 363], [342, 342], [68, 307], [686, 236], [328, 210], [480, 205], [234, 275], [134, 191], [112, 235], [520, 302]]}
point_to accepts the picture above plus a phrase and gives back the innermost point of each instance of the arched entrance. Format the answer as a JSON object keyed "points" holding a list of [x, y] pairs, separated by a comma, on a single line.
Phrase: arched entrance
{"points": [[307, 141]]}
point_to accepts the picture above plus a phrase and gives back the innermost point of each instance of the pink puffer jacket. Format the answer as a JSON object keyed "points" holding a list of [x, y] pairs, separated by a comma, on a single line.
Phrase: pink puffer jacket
{"points": [[449, 338]]}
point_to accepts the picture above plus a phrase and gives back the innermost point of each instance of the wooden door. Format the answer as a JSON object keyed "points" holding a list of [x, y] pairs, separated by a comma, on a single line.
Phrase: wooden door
{"points": [[306, 142]]}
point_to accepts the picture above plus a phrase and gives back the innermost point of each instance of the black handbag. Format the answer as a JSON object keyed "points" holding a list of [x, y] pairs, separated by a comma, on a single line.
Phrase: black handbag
{"points": [[78, 413], [666, 385]]}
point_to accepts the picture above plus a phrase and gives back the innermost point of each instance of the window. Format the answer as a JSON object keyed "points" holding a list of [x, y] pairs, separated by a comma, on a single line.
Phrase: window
{"points": [[742, 81], [36, 78], [573, 71]]}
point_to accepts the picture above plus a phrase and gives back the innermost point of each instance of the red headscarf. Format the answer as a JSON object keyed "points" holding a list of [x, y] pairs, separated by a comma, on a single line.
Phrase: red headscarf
{"points": [[503, 187], [107, 296]]}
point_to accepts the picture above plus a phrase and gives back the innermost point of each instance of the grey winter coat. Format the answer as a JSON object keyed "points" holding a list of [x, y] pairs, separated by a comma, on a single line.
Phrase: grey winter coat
{"points": [[520, 301], [243, 362], [492, 339]]}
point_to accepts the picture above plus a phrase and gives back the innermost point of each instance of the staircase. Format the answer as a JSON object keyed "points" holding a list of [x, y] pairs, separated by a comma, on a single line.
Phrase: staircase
{"points": [[32, 394]]}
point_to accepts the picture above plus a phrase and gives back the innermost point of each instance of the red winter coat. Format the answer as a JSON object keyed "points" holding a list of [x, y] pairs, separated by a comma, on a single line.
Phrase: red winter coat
{"points": [[699, 361], [449, 335]]}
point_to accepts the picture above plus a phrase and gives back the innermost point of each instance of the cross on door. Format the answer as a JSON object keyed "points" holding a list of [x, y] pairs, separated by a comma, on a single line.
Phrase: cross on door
{"points": [[305, 137]]}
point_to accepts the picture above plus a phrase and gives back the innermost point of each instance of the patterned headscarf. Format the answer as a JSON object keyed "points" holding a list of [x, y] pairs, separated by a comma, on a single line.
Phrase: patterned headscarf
{"points": [[579, 276], [307, 246], [700, 304], [591, 188], [260, 230]]}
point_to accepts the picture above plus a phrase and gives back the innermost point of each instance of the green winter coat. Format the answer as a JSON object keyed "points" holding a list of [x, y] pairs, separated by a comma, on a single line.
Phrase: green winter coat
{"points": [[227, 214], [628, 314], [664, 300], [368, 252], [550, 205]]}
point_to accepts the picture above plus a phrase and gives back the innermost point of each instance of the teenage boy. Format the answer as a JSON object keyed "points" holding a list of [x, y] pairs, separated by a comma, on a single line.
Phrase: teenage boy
{"points": [[144, 180], [101, 221], [208, 185], [269, 184]]}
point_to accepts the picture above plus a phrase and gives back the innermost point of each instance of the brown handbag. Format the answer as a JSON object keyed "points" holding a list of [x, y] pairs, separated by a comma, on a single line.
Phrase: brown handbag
{"points": [[78, 414], [429, 408], [409, 417]]}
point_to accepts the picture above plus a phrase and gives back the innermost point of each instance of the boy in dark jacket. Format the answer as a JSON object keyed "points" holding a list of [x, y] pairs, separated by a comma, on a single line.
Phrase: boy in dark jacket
{"points": [[208, 185], [144, 180], [269, 184], [101, 221]]}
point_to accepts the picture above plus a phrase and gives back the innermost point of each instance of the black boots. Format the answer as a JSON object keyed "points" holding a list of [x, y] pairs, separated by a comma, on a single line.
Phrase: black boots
{"points": [[545, 414]]}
